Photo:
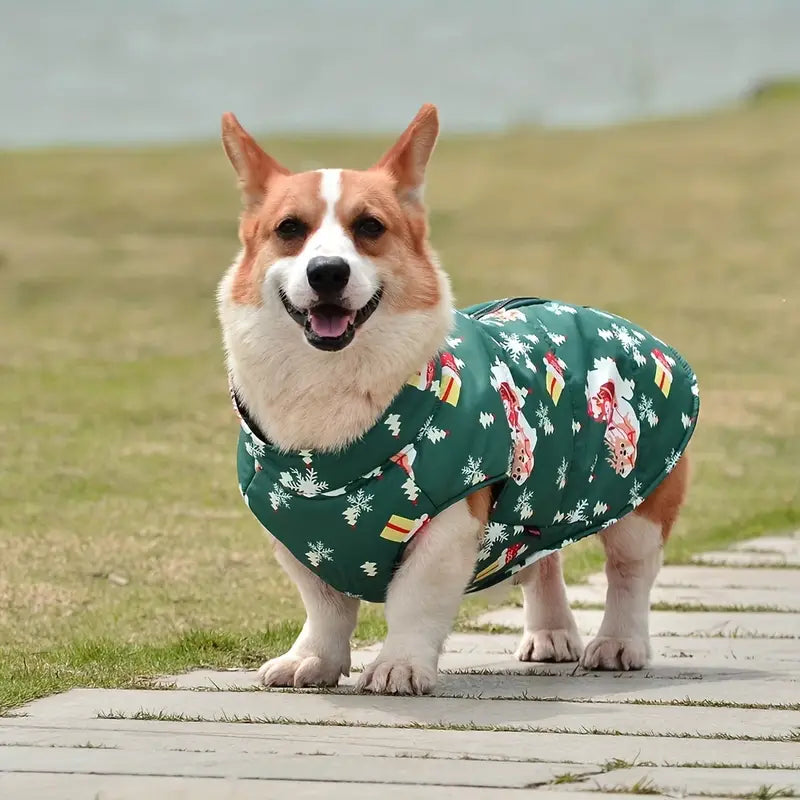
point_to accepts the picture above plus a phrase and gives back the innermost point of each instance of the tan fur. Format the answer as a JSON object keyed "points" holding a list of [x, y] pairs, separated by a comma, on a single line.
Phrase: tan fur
{"points": [[664, 504]]}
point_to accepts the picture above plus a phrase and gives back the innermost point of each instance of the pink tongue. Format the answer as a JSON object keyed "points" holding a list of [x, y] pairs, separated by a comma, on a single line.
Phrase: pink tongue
{"points": [[330, 324]]}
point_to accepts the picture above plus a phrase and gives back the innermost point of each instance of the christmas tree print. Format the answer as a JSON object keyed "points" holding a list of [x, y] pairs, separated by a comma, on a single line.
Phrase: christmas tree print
{"points": [[634, 498], [306, 484], [430, 432], [411, 489], [317, 553], [578, 514], [392, 422], [558, 309], [472, 471], [561, 474], [370, 569], [278, 498], [556, 338], [686, 420], [671, 460], [543, 418], [646, 411], [599, 509], [307, 456], [357, 504], [485, 419], [576, 426], [254, 448], [523, 505]]}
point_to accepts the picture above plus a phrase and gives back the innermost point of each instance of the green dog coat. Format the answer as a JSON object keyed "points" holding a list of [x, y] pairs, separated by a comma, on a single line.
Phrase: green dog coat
{"points": [[573, 416]]}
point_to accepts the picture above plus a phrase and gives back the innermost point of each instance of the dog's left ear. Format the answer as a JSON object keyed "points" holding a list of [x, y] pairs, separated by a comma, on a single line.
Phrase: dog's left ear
{"points": [[407, 158], [253, 166]]}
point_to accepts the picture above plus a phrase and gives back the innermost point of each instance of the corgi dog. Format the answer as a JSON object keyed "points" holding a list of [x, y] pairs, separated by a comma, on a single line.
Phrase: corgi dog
{"points": [[336, 298]]}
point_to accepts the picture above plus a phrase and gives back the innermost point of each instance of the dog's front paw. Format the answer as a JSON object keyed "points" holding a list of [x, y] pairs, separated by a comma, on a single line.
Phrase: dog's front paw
{"points": [[398, 676], [608, 652], [299, 671], [550, 645]]}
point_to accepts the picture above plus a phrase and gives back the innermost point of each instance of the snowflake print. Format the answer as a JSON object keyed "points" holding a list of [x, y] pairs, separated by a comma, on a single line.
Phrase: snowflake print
{"points": [[646, 411], [523, 505], [599, 509], [561, 475], [543, 418], [671, 460], [357, 504], [278, 498], [317, 553], [495, 532], [629, 340], [430, 432], [514, 346], [307, 484], [472, 471], [578, 514], [634, 496]]}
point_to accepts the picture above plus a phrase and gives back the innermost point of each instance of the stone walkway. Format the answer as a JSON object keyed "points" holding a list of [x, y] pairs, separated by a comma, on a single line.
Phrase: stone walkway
{"points": [[718, 713]]}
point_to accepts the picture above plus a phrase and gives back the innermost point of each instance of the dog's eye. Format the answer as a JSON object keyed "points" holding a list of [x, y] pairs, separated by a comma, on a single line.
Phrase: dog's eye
{"points": [[291, 228], [368, 227]]}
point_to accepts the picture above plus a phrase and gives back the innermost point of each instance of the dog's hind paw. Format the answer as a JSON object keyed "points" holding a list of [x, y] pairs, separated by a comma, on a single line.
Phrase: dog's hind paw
{"points": [[607, 652], [397, 676], [550, 645], [299, 671]]}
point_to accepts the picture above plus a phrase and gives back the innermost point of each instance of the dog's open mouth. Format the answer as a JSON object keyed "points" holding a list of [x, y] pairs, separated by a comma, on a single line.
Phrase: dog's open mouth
{"points": [[328, 326]]}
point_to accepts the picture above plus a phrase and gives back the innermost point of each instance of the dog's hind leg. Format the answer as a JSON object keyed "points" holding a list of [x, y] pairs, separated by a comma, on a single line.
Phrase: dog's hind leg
{"points": [[550, 632], [634, 548], [321, 653]]}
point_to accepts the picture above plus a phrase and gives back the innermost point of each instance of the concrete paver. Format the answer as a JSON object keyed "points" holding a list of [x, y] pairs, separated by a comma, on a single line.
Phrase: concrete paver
{"points": [[486, 734], [732, 558], [135, 787], [351, 709], [677, 623], [777, 599], [376, 769], [290, 739]]}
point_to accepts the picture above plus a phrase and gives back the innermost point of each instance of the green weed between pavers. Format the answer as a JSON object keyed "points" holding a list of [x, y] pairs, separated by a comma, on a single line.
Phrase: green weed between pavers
{"points": [[121, 527], [166, 716]]}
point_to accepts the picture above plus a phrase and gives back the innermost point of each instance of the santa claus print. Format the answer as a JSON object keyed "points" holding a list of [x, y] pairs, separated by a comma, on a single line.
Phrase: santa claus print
{"points": [[608, 397]]}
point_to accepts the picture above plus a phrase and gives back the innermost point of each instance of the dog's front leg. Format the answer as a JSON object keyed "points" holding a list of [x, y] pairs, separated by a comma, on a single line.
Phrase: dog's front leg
{"points": [[321, 653], [422, 601]]}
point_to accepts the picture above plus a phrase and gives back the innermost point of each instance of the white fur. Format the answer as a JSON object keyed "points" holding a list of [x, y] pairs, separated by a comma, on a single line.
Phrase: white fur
{"points": [[422, 602], [633, 558], [291, 388], [321, 653], [550, 632], [329, 239]]}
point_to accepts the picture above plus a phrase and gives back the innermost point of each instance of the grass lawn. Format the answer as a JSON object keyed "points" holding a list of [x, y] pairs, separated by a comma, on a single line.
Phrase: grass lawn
{"points": [[125, 549]]}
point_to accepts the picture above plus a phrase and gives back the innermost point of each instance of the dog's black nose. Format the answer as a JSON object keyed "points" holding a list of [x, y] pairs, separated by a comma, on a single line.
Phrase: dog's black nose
{"points": [[328, 275]]}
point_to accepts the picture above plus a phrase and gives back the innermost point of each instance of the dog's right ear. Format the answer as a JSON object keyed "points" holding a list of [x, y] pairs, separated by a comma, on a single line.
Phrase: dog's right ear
{"points": [[253, 166]]}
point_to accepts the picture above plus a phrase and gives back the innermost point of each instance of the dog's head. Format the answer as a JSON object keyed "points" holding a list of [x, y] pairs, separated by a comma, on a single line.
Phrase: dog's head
{"points": [[337, 259]]}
